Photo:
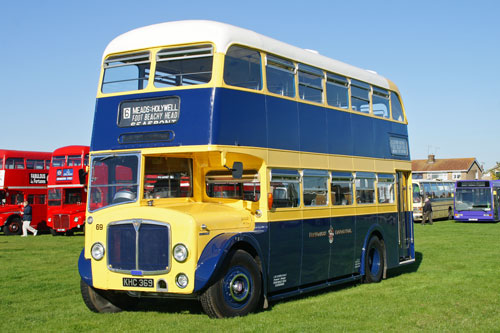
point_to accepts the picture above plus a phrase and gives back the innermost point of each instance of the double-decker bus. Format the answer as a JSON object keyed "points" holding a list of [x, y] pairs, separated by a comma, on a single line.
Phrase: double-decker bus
{"points": [[67, 189], [439, 192], [23, 176], [477, 200], [236, 169]]}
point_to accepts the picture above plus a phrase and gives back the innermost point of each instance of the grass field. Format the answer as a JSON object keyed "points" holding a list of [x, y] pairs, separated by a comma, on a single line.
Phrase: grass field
{"points": [[453, 286]]}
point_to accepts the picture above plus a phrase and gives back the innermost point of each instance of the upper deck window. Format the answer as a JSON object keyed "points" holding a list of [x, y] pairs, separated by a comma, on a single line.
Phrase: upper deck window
{"points": [[242, 68], [35, 164], [360, 96], [337, 91], [380, 100], [126, 72], [310, 83], [397, 109], [183, 66], [58, 161], [74, 160], [14, 163], [280, 75]]}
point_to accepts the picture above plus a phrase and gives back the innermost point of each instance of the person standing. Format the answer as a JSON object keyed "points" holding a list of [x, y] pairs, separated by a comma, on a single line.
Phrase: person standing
{"points": [[27, 215], [427, 212]]}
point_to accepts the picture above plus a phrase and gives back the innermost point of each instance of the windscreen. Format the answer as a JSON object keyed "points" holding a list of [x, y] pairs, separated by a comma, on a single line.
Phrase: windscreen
{"points": [[113, 180], [473, 199]]}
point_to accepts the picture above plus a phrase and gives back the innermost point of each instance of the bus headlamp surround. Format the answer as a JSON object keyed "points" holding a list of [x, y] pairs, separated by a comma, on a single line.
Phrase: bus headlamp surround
{"points": [[90, 219], [97, 251], [180, 252]]}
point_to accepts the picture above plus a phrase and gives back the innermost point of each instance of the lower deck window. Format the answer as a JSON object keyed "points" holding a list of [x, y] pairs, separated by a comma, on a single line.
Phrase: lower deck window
{"points": [[285, 188], [221, 184], [167, 177], [365, 187]]}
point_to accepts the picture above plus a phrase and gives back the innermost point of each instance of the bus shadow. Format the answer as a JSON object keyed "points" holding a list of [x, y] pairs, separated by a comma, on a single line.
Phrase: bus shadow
{"points": [[172, 306], [411, 268], [193, 307]]}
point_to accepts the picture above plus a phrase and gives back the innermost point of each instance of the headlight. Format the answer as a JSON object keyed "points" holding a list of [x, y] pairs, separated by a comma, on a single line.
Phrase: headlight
{"points": [[180, 252], [97, 251], [90, 220], [181, 280], [76, 219], [50, 219]]}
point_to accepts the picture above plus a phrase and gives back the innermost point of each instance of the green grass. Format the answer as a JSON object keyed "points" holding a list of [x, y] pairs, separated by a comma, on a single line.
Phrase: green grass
{"points": [[454, 286]]}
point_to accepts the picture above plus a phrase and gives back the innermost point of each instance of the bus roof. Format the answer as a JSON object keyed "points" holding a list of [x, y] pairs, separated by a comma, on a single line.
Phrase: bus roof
{"points": [[71, 150], [24, 154], [224, 35]]}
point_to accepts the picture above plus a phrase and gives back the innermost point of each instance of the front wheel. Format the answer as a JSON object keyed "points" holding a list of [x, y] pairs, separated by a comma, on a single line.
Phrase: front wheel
{"points": [[374, 260], [237, 292], [15, 227], [105, 301]]}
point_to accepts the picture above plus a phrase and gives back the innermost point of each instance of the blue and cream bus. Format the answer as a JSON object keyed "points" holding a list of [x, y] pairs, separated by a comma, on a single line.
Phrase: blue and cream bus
{"points": [[235, 169]]}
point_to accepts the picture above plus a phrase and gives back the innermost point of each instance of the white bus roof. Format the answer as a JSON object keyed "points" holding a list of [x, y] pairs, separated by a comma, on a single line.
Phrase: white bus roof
{"points": [[224, 35]]}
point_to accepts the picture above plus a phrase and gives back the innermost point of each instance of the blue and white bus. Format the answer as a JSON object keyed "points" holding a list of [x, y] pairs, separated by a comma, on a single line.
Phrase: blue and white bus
{"points": [[236, 169]]}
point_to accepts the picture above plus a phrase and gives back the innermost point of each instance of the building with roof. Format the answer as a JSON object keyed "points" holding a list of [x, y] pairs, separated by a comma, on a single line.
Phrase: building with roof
{"points": [[446, 168]]}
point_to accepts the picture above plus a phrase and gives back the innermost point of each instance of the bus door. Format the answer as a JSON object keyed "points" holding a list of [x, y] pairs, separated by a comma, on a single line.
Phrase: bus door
{"points": [[404, 220]]}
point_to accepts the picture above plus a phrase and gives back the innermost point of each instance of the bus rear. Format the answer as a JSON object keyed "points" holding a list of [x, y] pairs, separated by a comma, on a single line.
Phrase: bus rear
{"points": [[67, 190], [477, 200]]}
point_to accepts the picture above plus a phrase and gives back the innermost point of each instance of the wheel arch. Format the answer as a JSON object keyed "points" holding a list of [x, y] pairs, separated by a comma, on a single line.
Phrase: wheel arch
{"points": [[375, 230], [217, 250]]}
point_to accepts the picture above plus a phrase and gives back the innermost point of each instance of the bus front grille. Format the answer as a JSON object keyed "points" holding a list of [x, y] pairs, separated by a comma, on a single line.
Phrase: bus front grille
{"points": [[61, 221], [138, 245]]}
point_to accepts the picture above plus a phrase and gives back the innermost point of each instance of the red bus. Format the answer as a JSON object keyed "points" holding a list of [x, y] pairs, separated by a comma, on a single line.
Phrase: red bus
{"points": [[23, 176], [67, 189]]}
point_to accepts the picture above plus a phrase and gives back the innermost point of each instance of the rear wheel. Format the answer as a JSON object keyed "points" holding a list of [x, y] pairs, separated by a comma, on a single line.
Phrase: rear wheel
{"points": [[237, 292], [374, 260], [105, 301], [15, 227]]}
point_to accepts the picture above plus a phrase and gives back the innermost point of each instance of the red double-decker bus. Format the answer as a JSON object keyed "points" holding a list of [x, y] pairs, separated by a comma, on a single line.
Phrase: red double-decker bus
{"points": [[23, 176], [67, 189]]}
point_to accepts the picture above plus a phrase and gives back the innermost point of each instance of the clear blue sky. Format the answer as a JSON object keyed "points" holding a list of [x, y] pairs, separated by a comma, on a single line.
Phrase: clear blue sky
{"points": [[443, 55]]}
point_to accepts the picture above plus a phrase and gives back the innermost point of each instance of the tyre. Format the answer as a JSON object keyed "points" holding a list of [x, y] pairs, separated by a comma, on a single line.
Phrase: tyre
{"points": [[15, 227], [374, 261], [105, 301], [237, 291], [53, 232]]}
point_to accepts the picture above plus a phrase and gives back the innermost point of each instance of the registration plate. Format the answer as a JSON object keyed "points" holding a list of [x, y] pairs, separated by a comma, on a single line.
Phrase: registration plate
{"points": [[138, 282]]}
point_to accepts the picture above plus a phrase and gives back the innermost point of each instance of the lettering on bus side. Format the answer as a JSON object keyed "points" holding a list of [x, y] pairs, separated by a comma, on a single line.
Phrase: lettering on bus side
{"points": [[38, 178], [157, 111]]}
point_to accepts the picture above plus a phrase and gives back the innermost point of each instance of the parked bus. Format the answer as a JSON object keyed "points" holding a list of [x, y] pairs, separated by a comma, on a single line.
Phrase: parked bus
{"points": [[68, 190], [440, 193], [23, 176], [295, 169], [477, 200]]}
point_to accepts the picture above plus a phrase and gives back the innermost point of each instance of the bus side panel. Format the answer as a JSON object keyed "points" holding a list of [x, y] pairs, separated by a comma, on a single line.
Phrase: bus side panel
{"points": [[239, 119], [283, 123], [389, 224], [316, 250], [285, 251], [313, 128], [342, 253], [340, 133]]}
